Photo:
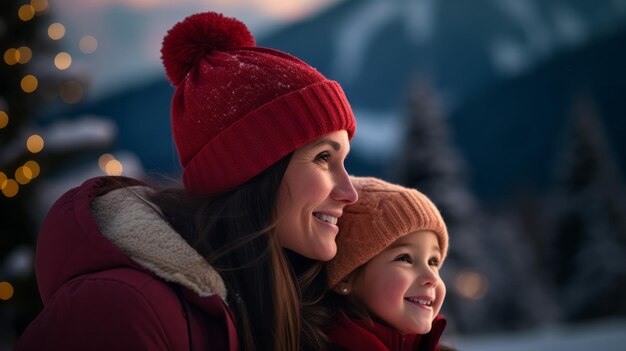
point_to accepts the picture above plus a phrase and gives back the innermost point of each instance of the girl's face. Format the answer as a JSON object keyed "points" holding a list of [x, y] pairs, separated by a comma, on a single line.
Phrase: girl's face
{"points": [[314, 190], [401, 285]]}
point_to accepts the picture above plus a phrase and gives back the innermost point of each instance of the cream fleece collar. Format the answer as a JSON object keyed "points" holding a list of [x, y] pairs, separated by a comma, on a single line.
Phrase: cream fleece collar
{"points": [[124, 216]]}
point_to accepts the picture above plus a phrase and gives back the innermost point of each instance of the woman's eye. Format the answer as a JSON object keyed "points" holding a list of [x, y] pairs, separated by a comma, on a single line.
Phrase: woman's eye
{"points": [[404, 258], [323, 156]]}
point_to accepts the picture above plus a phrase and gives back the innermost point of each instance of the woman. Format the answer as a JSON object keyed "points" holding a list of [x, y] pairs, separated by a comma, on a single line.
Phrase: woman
{"points": [[262, 138]]}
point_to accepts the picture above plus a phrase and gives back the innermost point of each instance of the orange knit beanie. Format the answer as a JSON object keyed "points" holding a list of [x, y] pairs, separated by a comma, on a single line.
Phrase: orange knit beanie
{"points": [[383, 213]]}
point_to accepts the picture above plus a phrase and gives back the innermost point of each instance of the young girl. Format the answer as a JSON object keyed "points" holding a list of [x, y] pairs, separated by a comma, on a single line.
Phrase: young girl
{"points": [[384, 280]]}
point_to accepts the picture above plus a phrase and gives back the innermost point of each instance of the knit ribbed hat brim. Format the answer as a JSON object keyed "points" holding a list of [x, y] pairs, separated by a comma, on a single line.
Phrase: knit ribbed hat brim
{"points": [[383, 213]]}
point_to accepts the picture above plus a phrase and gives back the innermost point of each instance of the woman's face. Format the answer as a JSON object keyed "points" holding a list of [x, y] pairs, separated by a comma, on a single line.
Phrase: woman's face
{"points": [[312, 195], [401, 285]]}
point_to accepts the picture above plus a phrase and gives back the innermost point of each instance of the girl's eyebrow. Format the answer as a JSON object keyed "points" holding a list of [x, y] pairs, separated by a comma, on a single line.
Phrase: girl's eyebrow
{"points": [[409, 246], [398, 246]]}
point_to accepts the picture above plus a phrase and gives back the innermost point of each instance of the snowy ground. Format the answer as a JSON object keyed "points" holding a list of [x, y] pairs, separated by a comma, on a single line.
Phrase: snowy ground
{"points": [[606, 336]]}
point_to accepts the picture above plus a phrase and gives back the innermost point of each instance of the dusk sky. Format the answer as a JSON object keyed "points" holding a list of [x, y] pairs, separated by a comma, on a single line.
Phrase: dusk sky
{"points": [[129, 32]]}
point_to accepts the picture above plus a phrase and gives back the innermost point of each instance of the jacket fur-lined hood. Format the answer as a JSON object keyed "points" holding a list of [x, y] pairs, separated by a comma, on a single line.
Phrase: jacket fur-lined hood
{"points": [[103, 261], [136, 227]]}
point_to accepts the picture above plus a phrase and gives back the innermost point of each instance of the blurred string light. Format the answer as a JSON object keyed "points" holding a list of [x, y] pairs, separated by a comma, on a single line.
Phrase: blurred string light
{"points": [[109, 165], [34, 143], [63, 60], [29, 83], [88, 44], [56, 31], [70, 92], [6, 290], [9, 187], [471, 285], [24, 54], [26, 12], [20, 55], [39, 5], [33, 168], [11, 56], [4, 119], [25, 173]]}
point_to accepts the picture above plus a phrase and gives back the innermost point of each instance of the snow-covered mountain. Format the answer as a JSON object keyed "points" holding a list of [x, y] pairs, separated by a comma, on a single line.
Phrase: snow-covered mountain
{"points": [[374, 47], [505, 70]]}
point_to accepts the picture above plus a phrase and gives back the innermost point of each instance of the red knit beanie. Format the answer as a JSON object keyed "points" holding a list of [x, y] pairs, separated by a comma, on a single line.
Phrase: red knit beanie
{"points": [[238, 108], [383, 213]]}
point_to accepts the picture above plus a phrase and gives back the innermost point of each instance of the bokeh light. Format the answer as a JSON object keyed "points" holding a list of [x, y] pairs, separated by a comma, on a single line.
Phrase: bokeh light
{"points": [[23, 175], [11, 56], [88, 44], [10, 188], [39, 5], [6, 290], [34, 143], [24, 54], [63, 60], [71, 92], [33, 168], [29, 83], [114, 168], [4, 119], [103, 160], [3, 179], [471, 285], [26, 12], [56, 31]]}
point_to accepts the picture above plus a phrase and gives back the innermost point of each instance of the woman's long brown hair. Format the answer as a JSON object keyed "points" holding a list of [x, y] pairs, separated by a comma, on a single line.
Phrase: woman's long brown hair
{"points": [[235, 233]]}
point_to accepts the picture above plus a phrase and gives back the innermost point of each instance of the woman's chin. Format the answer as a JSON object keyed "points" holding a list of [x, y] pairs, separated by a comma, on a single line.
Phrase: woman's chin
{"points": [[325, 254]]}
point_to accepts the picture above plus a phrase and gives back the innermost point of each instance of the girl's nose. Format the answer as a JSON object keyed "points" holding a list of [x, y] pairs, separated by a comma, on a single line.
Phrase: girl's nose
{"points": [[428, 277]]}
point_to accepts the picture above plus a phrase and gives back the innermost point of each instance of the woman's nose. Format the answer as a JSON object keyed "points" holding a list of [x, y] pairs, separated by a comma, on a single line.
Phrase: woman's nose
{"points": [[344, 190]]}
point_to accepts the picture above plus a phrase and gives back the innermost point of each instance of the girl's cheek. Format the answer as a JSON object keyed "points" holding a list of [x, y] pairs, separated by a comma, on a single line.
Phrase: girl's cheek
{"points": [[392, 285]]}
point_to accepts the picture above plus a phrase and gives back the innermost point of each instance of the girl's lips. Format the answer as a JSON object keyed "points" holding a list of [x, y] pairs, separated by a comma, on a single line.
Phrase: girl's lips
{"points": [[421, 301]]}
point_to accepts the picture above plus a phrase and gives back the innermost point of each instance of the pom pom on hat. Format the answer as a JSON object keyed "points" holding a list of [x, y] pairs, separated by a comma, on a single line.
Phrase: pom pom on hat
{"points": [[238, 108], [200, 34], [383, 213]]}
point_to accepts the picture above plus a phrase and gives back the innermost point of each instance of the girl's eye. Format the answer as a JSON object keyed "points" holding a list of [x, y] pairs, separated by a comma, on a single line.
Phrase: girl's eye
{"points": [[434, 262], [404, 258], [323, 156]]}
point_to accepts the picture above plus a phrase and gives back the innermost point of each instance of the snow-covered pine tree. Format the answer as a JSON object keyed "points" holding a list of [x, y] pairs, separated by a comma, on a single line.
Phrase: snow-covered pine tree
{"points": [[588, 246], [18, 41], [491, 270], [29, 81], [429, 163]]}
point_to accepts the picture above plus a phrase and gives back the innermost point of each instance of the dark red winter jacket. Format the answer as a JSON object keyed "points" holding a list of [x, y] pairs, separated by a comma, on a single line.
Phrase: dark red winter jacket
{"points": [[114, 276], [347, 334]]}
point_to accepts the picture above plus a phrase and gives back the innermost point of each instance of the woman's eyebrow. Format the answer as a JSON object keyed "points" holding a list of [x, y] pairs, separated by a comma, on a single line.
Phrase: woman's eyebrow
{"points": [[335, 145]]}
